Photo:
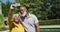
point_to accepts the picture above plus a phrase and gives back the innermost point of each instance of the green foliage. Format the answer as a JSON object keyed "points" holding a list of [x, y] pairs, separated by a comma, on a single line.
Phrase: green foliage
{"points": [[33, 6], [50, 9], [5, 8], [1, 21], [43, 9]]}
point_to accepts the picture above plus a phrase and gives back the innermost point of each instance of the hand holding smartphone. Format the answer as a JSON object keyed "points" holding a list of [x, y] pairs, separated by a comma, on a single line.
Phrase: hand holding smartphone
{"points": [[14, 5]]}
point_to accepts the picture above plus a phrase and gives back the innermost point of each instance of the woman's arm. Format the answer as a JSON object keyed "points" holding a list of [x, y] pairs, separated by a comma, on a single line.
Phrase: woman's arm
{"points": [[10, 17]]}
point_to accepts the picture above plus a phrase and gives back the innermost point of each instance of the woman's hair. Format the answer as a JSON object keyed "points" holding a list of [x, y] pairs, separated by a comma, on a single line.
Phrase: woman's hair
{"points": [[14, 16]]}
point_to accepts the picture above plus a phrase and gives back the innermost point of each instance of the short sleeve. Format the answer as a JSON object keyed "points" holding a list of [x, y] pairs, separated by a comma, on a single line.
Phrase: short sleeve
{"points": [[35, 19]]}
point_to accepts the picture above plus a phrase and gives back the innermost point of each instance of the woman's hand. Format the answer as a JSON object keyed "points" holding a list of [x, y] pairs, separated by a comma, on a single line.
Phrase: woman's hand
{"points": [[11, 7]]}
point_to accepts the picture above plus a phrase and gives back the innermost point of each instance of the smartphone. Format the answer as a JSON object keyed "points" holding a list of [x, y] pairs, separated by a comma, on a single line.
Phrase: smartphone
{"points": [[16, 5]]}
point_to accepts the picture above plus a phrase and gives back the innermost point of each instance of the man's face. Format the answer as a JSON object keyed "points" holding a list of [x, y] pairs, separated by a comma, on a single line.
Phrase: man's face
{"points": [[23, 9]]}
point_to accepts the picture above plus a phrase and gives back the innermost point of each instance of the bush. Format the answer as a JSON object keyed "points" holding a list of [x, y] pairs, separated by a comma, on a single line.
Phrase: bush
{"points": [[1, 21], [50, 22]]}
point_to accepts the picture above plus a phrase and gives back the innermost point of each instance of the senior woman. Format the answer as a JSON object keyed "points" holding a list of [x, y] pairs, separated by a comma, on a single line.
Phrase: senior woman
{"points": [[15, 25]]}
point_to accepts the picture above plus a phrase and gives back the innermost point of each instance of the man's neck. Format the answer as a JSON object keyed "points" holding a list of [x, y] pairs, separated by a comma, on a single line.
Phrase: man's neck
{"points": [[27, 15]]}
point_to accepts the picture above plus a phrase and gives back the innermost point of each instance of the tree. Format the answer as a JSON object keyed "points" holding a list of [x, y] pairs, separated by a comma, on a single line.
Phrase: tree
{"points": [[5, 8], [47, 8]]}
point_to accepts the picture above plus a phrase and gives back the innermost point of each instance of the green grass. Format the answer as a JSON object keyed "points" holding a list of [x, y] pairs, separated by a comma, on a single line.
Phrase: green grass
{"points": [[49, 30]]}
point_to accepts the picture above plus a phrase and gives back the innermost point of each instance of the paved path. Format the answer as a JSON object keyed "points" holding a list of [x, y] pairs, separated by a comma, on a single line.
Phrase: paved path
{"points": [[50, 26]]}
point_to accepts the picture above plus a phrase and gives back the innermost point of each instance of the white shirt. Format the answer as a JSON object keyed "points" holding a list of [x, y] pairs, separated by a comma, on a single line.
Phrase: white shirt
{"points": [[29, 23]]}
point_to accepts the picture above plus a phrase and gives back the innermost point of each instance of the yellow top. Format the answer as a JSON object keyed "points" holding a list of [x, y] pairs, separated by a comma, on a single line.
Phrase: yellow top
{"points": [[15, 27]]}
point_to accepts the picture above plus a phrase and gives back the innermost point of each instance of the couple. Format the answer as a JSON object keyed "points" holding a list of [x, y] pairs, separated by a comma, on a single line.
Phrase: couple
{"points": [[17, 23]]}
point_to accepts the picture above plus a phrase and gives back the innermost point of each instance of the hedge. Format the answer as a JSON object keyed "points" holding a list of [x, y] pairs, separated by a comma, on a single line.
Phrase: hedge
{"points": [[50, 22]]}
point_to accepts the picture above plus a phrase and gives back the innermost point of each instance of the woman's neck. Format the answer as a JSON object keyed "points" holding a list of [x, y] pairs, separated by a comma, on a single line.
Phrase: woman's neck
{"points": [[17, 22]]}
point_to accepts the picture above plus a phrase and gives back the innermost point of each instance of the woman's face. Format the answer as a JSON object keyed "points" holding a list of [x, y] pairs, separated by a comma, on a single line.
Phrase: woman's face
{"points": [[16, 18]]}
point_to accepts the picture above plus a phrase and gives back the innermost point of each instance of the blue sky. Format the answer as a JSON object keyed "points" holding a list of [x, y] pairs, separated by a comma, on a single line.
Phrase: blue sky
{"points": [[4, 1]]}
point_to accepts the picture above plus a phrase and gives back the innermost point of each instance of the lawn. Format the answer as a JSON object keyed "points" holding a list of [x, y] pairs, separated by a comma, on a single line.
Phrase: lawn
{"points": [[49, 30]]}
